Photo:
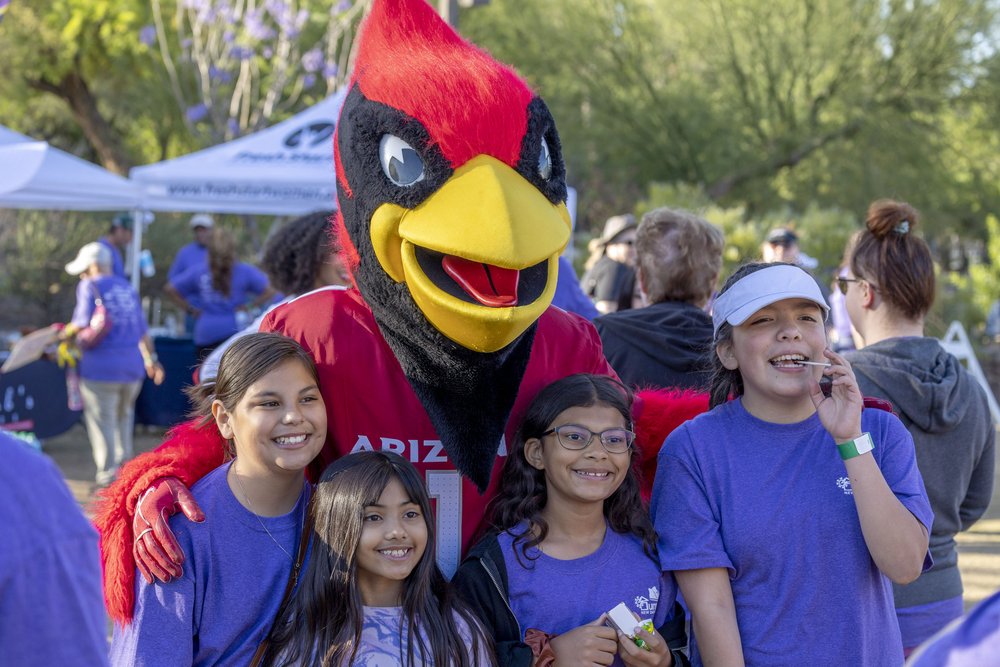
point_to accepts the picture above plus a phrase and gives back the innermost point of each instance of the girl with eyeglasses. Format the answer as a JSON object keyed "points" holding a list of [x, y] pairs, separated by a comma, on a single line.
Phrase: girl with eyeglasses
{"points": [[888, 290], [573, 539]]}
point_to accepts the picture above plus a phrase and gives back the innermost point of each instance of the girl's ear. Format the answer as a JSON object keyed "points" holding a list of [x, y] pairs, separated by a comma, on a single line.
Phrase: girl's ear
{"points": [[533, 453], [724, 351], [222, 419]]}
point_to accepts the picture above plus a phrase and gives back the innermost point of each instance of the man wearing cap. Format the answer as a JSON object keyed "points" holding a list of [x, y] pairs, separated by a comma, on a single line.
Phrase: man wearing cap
{"points": [[610, 276], [112, 370], [782, 245], [195, 252], [116, 241]]}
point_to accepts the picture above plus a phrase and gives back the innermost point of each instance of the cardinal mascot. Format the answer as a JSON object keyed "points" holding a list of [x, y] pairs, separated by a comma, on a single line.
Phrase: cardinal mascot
{"points": [[451, 191]]}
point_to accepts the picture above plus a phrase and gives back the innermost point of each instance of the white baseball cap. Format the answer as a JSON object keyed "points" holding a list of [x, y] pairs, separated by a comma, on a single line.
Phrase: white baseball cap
{"points": [[201, 220], [89, 254], [762, 288]]}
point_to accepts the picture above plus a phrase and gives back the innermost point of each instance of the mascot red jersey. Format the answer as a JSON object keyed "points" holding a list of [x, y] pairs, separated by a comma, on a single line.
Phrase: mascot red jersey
{"points": [[451, 191]]}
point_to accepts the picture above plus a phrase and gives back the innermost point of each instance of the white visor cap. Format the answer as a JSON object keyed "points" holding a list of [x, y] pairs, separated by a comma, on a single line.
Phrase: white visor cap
{"points": [[762, 288]]}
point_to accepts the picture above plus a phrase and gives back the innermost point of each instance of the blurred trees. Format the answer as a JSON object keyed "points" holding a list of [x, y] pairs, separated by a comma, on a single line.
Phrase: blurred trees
{"points": [[765, 104]]}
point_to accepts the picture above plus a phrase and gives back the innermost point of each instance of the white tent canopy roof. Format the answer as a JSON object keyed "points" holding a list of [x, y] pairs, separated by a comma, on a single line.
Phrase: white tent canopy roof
{"points": [[286, 169], [33, 174]]}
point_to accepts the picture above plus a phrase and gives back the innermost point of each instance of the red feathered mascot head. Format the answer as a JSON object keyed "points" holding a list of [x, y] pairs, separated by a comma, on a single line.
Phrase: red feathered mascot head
{"points": [[451, 189]]}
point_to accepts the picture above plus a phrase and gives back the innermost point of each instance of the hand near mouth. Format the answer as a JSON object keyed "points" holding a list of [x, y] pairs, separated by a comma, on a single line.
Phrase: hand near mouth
{"points": [[840, 412]]}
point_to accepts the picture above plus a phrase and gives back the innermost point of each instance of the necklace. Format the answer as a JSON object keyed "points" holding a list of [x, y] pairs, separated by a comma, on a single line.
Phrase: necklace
{"points": [[239, 483]]}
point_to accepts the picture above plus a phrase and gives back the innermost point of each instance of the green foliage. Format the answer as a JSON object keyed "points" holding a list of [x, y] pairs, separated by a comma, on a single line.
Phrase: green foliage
{"points": [[34, 249], [824, 232]]}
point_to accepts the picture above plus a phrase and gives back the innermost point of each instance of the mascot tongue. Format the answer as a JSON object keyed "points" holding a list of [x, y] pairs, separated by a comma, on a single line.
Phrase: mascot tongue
{"points": [[490, 285]]}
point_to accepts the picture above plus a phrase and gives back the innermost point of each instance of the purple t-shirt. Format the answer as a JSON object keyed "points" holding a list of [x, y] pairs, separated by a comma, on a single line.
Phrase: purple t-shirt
{"points": [[218, 311], [116, 358], [556, 596], [51, 608], [773, 504], [223, 606], [193, 254]]}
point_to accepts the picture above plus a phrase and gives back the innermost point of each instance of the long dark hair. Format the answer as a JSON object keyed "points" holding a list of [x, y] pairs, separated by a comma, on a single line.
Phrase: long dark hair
{"points": [[321, 624], [221, 258], [523, 494], [247, 360]]}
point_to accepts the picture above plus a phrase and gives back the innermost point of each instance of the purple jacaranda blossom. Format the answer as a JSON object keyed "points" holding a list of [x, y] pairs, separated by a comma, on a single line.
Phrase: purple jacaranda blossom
{"points": [[229, 37], [330, 70], [196, 112], [233, 127], [308, 80], [186, 43], [218, 74], [268, 52], [312, 60], [147, 35], [241, 53], [342, 6], [196, 4], [255, 27]]}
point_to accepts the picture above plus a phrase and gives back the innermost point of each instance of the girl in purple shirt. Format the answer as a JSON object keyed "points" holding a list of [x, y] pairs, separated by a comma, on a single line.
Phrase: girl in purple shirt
{"points": [[783, 549], [574, 540]]}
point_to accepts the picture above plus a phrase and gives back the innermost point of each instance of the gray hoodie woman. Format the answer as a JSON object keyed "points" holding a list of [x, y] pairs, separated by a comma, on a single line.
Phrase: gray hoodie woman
{"points": [[888, 290]]}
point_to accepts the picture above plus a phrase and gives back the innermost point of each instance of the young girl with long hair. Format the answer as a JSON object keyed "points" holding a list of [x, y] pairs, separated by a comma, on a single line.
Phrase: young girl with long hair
{"points": [[888, 288], [786, 509], [573, 539], [266, 402], [372, 578]]}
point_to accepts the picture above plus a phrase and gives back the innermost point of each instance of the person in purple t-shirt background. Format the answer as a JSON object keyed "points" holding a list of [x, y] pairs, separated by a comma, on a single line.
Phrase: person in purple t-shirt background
{"points": [[783, 550], [193, 254], [215, 290], [574, 539], [117, 240], [112, 371]]}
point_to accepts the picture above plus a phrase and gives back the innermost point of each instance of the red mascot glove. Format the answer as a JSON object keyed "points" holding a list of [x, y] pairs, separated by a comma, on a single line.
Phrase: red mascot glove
{"points": [[153, 538]]}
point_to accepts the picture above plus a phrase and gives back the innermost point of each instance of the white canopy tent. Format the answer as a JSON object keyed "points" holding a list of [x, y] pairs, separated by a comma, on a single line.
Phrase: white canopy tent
{"points": [[35, 175], [286, 169]]}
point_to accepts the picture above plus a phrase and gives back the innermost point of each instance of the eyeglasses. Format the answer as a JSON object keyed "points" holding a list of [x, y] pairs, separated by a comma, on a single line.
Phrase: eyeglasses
{"points": [[842, 284], [574, 437]]}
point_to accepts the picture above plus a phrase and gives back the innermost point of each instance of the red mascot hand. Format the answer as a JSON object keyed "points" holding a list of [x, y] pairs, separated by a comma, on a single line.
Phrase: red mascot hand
{"points": [[153, 538]]}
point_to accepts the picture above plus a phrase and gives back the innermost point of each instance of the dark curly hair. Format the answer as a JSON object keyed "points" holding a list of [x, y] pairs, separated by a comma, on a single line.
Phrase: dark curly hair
{"points": [[294, 253], [523, 494]]}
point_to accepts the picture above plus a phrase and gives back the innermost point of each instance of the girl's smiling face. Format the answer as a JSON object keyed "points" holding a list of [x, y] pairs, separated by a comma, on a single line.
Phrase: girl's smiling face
{"points": [[765, 349], [393, 540], [589, 475], [279, 425]]}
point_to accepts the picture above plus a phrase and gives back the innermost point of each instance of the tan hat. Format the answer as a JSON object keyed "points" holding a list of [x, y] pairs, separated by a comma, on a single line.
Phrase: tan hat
{"points": [[201, 220], [614, 226], [92, 253]]}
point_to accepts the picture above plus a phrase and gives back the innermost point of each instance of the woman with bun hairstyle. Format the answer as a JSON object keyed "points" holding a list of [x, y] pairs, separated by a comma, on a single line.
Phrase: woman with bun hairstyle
{"points": [[785, 511], [888, 289]]}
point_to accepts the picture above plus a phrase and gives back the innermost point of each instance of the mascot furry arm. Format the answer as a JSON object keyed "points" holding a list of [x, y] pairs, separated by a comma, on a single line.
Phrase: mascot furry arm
{"points": [[451, 191]]}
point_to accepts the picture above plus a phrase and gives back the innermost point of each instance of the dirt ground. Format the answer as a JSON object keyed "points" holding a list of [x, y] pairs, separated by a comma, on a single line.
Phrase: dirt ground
{"points": [[979, 548]]}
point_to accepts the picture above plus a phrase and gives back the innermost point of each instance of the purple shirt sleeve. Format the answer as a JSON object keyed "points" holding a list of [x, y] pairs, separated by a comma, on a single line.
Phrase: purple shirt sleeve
{"points": [[686, 517]]}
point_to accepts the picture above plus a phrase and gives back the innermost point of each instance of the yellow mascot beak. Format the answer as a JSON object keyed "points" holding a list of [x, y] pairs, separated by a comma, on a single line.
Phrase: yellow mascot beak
{"points": [[479, 256]]}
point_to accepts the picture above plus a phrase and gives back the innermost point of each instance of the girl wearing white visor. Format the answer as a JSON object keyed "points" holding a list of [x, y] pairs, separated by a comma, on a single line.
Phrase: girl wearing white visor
{"points": [[786, 510]]}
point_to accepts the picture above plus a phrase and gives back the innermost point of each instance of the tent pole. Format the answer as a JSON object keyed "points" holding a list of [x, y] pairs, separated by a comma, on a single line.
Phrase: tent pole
{"points": [[138, 225]]}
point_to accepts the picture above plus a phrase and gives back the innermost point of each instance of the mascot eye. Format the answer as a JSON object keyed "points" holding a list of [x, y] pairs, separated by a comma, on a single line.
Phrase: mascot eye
{"points": [[400, 161], [544, 161]]}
